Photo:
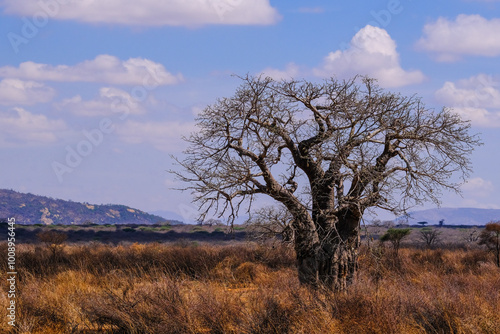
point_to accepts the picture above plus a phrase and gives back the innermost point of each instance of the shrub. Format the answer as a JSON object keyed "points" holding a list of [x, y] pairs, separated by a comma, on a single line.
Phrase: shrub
{"points": [[395, 236], [430, 236], [490, 237], [53, 240]]}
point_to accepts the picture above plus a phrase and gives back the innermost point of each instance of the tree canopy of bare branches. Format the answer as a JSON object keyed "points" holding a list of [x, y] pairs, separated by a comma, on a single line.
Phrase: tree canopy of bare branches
{"points": [[271, 222], [326, 151], [430, 236]]}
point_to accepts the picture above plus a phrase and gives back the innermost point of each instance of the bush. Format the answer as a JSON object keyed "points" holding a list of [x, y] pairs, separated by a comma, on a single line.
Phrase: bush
{"points": [[490, 237], [53, 240], [395, 236], [429, 236]]}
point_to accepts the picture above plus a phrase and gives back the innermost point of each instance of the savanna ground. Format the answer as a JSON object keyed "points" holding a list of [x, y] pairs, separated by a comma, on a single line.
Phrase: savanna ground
{"points": [[244, 287]]}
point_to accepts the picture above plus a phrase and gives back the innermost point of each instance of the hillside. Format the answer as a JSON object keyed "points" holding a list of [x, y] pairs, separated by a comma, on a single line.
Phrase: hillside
{"points": [[454, 216], [33, 209]]}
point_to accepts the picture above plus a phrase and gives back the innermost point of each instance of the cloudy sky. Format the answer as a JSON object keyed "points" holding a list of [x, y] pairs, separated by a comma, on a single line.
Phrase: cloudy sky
{"points": [[95, 95]]}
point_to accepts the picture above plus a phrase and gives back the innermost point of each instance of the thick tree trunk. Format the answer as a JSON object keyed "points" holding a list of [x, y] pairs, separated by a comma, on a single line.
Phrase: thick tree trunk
{"points": [[332, 266], [306, 249], [338, 265], [498, 253], [333, 261]]}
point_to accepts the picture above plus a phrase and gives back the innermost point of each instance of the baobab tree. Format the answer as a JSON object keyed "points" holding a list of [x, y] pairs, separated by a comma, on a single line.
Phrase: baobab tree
{"points": [[327, 151]]}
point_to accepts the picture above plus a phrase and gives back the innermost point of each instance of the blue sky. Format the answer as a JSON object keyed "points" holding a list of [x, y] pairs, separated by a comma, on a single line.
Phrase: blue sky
{"points": [[95, 95]]}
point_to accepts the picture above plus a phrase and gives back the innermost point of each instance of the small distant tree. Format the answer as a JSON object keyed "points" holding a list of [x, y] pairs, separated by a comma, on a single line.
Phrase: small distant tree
{"points": [[53, 240], [429, 236], [395, 236], [473, 236], [377, 224], [441, 223], [211, 222], [388, 223], [422, 224], [490, 237], [271, 222]]}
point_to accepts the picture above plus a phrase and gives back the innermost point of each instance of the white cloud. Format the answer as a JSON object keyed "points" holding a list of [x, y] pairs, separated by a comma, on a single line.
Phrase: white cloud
{"points": [[164, 136], [478, 187], [291, 71], [19, 92], [478, 193], [372, 52], [103, 69], [467, 35], [151, 12], [22, 127], [111, 101], [476, 99]]}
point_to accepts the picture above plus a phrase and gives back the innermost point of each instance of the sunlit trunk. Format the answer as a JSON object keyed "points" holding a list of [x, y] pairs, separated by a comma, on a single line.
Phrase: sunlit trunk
{"points": [[306, 248], [332, 263], [338, 265]]}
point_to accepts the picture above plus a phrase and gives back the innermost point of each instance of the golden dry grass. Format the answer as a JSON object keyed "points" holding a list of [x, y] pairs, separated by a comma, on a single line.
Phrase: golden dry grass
{"points": [[247, 288]]}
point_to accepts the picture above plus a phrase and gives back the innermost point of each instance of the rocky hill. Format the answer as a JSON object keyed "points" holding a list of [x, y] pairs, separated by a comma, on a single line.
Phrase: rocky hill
{"points": [[33, 209]]}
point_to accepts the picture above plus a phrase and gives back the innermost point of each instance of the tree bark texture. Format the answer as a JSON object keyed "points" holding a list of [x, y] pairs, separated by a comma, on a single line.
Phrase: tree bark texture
{"points": [[330, 261]]}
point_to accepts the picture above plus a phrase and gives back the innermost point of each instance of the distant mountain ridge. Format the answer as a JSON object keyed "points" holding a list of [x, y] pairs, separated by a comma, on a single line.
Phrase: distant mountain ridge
{"points": [[453, 216], [34, 209]]}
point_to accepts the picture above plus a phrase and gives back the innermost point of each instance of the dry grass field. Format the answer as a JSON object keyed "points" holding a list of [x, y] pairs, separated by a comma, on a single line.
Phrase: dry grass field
{"points": [[244, 287]]}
